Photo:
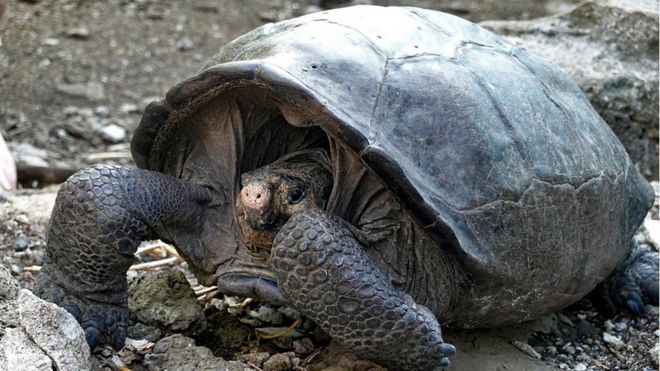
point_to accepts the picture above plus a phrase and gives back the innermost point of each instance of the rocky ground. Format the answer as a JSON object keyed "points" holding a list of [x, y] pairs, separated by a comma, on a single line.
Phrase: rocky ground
{"points": [[178, 324], [74, 78]]}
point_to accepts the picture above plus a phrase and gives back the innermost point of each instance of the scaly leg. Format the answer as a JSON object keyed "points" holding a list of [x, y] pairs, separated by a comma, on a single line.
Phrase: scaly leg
{"points": [[101, 215], [321, 267]]}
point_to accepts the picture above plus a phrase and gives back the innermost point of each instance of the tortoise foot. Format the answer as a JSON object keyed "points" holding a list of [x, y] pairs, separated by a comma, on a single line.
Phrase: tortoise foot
{"points": [[322, 268], [634, 283], [100, 216], [95, 317]]}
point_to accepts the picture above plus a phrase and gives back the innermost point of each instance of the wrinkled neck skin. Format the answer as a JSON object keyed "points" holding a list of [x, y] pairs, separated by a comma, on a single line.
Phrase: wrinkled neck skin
{"points": [[264, 202]]}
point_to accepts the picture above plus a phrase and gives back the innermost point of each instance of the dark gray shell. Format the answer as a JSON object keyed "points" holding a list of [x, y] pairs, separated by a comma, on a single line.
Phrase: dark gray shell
{"points": [[496, 152]]}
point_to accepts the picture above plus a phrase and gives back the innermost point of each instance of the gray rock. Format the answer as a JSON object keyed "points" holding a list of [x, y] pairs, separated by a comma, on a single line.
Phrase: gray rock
{"points": [[19, 352], [21, 243], [580, 367], [9, 290], [256, 359], [166, 300], [267, 314], [610, 48], [112, 133], [303, 346], [279, 362], [81, 32], [55, 331], [142, 331], [92, 90], [613, 340], [225, 329], [527, 349], [178, 352], [27, 154]]}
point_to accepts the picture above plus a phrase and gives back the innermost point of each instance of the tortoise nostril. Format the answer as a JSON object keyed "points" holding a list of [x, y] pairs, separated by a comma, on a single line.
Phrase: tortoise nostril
{"points": [[258, 196]]}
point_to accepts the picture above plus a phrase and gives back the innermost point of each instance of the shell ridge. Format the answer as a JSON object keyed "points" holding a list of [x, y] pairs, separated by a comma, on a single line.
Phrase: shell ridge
{"points": [[381, 83], [511, 131], [371, 43], [576, 188]]}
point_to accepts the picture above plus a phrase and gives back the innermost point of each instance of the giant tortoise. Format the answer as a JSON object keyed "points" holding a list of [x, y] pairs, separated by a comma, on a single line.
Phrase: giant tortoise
{"points": [[382, 170]]}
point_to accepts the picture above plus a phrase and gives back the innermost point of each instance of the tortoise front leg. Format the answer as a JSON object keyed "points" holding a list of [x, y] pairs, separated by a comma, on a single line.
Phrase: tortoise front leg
{"points": [[101, 215], [321, 267]]}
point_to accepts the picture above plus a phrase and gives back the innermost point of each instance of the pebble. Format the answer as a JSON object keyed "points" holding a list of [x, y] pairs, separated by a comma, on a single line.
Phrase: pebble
{"points": [[129, 108], [21, 218], [278, 362], [552, 350], [289, 313], [268, 315], [527, 349], [256, 359], [580, 367], [102, 111], [81, 32], [613, 340], [609, 326], [303, 346], [21, 243], [185, 44], [50, 41], [563, 366], [112, 133], [91, 90], [620, 326]]}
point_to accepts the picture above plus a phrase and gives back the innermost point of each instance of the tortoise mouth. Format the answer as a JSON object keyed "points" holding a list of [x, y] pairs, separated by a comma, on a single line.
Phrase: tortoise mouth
{"points": [[250, 284]]}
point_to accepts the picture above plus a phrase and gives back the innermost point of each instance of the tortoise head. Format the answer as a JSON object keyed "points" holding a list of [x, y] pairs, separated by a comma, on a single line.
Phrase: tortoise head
{"points": [[272, 194]]}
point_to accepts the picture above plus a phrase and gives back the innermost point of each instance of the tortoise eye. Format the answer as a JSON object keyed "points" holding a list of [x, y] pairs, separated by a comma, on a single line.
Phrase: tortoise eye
{"points": [[296, 195]]}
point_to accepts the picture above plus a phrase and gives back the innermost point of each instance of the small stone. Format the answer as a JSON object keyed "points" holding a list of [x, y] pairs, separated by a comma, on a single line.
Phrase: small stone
{"points": [[267, 314], [303, 347], [185, 44], [256, 359], [527, 349], [102, 111], [21, 218], [142, 331], [81, 32], [289, 313], [609, 326], [21, 243], [563, 366], [92, 90], [613, 340], [552, 350], [620, 326], [580, 367], [129, 108], [655, 354], [112, 133], [278, 362], [50, 41]]}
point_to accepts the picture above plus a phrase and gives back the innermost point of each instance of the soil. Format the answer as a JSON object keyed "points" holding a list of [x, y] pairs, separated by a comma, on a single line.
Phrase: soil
{"points": [[75, 76]]}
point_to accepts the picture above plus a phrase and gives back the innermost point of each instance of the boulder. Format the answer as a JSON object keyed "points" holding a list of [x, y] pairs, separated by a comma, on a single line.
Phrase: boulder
{"points": [[610, 48], [165, 300], [55, 331], [19, 352]]}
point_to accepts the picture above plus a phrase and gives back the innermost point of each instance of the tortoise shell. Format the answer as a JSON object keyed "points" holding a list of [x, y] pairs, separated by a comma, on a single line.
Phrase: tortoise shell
{"points": [[497, 153]]}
